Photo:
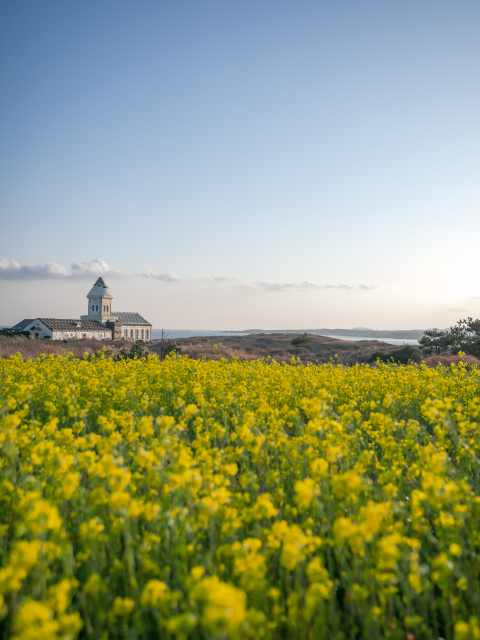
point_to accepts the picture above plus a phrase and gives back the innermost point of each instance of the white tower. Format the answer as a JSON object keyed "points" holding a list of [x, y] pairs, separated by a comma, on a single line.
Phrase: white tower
{"points": [[99, 303]]}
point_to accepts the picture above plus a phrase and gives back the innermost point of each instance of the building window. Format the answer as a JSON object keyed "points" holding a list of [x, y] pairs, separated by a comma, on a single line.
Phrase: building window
{"points": [[131, 333], [126, 333], [147, 332], [136, 334], [143, 334]]}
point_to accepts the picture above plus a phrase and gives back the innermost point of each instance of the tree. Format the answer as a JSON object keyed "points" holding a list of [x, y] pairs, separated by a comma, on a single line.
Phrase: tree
{"points": [[465, 336], [435, 341], [138, 350], [167, 345], [303, 340]]}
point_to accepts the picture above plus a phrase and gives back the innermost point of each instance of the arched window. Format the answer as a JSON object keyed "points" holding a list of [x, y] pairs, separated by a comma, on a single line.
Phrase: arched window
{"points": [[143, 334], [131, 333], [136, 334], [147, 332]]}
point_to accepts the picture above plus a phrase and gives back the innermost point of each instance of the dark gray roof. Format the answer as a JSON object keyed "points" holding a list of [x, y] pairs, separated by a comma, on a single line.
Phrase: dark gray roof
{"points": [[20, 326], [125, 317], [58, 324]]}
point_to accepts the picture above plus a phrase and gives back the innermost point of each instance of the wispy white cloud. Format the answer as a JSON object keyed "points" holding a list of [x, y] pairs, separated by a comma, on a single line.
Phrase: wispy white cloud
{"points": [[308, 285], [220, 279], [164, 277], [12, 270], [287, 286], [362, 286]]}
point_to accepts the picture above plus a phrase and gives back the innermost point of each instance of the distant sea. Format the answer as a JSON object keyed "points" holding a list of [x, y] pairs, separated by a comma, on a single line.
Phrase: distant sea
{"points": [[185, 333], [192, 333]]}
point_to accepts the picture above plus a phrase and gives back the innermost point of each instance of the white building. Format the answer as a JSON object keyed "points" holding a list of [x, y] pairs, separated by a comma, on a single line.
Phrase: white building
{"points": [[59, 329], [123, 324], [100, 322]]}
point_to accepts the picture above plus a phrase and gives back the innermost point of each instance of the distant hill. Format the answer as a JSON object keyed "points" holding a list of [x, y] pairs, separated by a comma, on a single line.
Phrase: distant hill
{"points": [[358, 332]]}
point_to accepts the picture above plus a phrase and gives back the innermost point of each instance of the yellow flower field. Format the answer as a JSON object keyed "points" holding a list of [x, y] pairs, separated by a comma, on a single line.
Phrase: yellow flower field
{"points": [[213, 500]]}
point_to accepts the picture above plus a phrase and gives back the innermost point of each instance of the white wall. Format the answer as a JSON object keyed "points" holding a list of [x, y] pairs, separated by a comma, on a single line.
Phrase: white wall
{"points": [[42, 331], [129, 328], [68, 335]]}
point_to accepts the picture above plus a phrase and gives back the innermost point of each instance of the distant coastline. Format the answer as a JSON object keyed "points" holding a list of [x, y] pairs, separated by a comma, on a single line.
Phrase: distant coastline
{"points": [[408, 336]]}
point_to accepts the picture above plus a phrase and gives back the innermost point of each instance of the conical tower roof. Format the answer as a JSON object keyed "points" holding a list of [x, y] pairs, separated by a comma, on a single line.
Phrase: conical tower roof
{"points": [[100, 290]]}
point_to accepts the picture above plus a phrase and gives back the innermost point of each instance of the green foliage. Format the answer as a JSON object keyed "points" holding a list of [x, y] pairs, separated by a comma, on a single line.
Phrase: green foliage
{"points": [[303, 340], [168, 347], [404, 355], [12, 334], [138, 350], [435, 341], [382, 354], [464, 336]]}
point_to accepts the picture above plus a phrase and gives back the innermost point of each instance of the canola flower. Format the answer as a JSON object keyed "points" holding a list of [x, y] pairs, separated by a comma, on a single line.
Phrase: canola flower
{"points": [[198, 499]]}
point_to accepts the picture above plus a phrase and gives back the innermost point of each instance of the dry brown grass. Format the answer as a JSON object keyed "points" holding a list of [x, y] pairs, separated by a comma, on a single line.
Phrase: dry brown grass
{"points": [[249, 347], [275, 345], [31, 348], [446, 361]]}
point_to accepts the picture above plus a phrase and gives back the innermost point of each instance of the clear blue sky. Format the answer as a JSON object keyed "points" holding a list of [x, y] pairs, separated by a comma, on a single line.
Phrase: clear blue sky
{"points": [[294, 164]]}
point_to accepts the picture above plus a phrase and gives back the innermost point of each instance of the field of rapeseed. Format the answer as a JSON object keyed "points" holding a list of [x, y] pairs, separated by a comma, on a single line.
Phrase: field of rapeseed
{"points": [[229, 500]]}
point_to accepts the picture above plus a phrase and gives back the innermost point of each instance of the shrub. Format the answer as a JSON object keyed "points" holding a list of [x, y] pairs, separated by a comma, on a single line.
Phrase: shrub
{"points": [[168, 347], [12, 334], [303, 340], [137, 350], [404, 355]]}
